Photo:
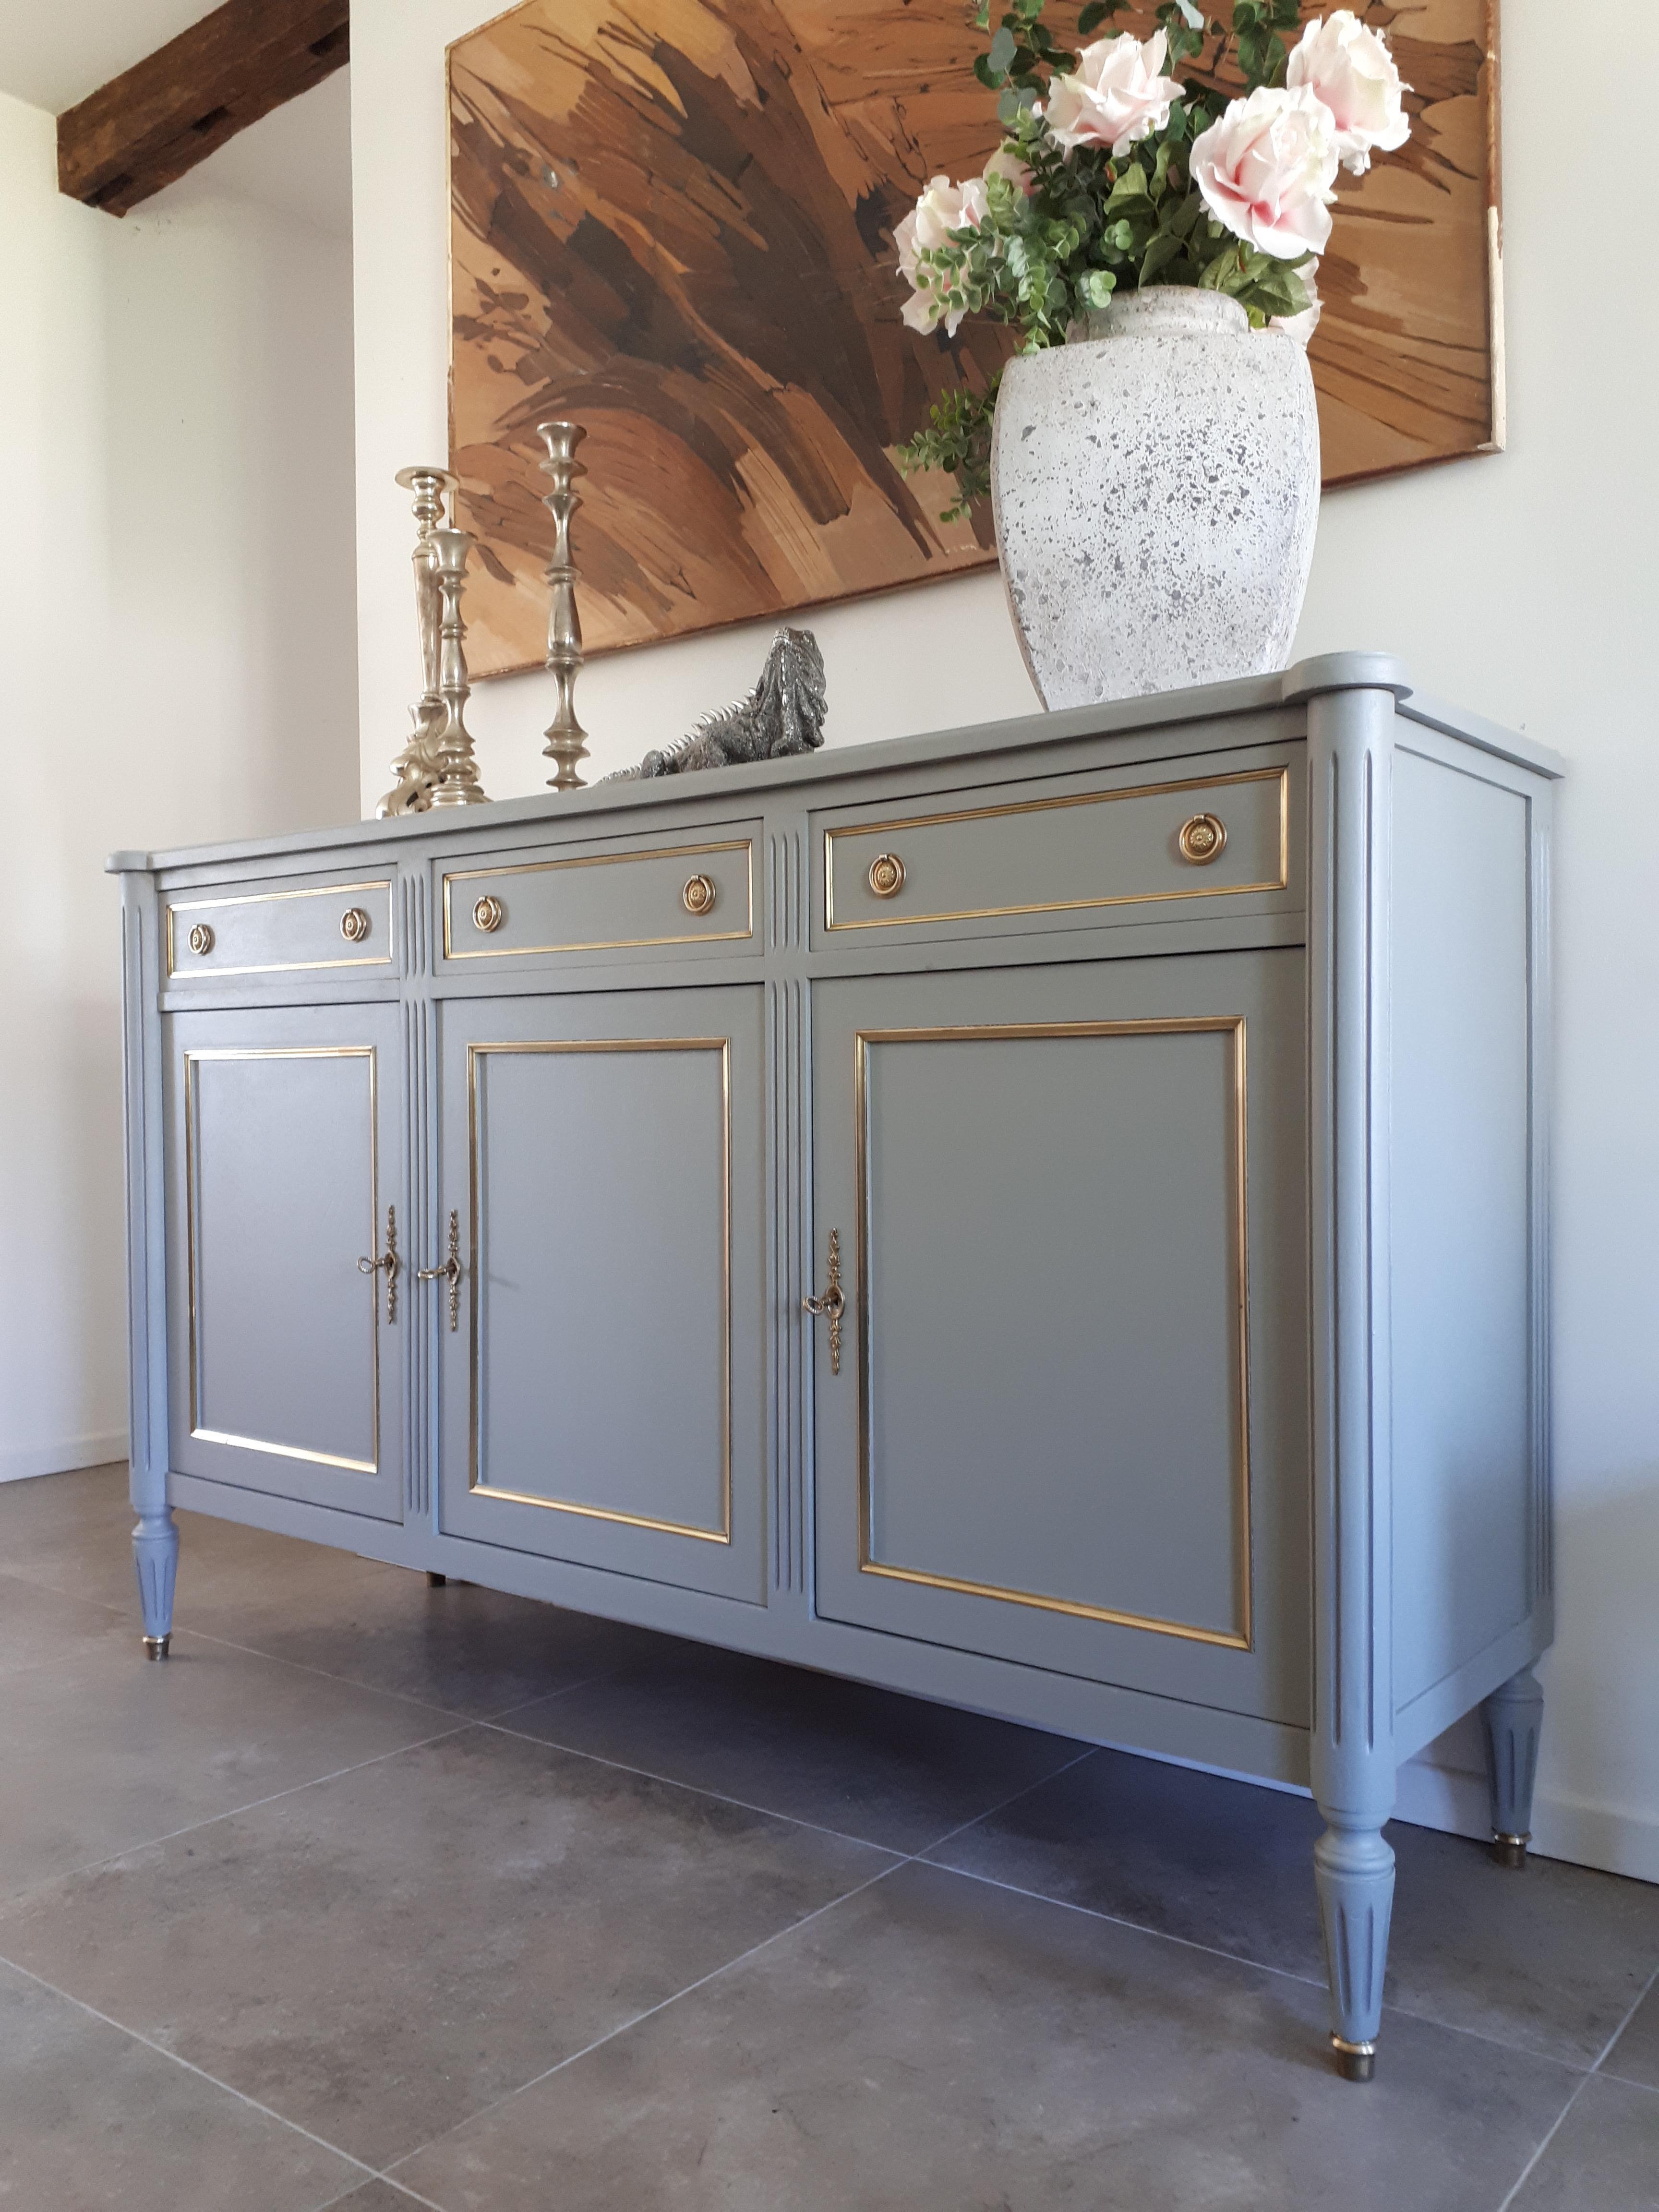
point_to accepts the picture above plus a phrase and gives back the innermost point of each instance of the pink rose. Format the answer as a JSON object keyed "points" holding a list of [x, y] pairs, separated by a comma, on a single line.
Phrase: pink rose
{"points": [[943, 208], [1351, 69], [1266, 170], [1115, 96]]}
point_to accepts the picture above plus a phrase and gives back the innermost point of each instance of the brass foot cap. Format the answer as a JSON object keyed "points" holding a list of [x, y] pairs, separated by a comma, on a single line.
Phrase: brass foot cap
{"points": [[156, 1647], [1510, 1851], [1356, 2062]]}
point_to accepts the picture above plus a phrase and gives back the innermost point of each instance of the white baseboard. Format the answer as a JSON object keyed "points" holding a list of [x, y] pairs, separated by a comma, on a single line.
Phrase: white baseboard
{"points": [[21, 1463], [1603, 1836]]}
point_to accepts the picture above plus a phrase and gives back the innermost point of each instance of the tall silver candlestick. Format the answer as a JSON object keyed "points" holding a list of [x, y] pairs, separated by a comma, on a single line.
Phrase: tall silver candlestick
{"points": [[458, 772], [415, 768], [567, 740]]}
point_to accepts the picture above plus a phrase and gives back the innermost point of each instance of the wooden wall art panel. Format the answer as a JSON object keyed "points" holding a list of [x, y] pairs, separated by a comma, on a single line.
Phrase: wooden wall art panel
{"points": [[671, 220]]}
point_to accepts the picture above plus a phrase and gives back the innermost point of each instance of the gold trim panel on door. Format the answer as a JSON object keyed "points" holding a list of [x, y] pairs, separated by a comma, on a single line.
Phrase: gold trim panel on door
{"points": [[1240, 1639], [304, 934], [191, 1059], [903, 870], [665, 901], [475, 1055]]}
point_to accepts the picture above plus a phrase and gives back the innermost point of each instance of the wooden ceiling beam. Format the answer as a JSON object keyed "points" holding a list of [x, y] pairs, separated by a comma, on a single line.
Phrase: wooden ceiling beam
{"points": [[146, 127]]}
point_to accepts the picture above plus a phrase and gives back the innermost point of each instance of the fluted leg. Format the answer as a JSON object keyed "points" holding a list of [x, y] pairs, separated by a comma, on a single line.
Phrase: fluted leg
{"points": [[1513, 1715], [155, 1555], [1353, 1873]]}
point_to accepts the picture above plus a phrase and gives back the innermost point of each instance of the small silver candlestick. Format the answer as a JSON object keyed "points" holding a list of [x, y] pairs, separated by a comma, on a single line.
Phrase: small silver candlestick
{"points": [[458, 782], [415, 768], [567, 740]]}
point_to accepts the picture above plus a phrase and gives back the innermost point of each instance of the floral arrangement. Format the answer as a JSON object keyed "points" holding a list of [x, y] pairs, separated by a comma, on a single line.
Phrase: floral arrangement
{"points": [[1113, 173]]}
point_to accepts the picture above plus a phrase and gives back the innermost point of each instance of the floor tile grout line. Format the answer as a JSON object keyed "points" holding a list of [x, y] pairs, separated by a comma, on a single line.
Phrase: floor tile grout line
{"points": [[1263, 1965], [626, 2026], [1525, 2174], [546, 1697], [1627, 2082], [1089, 1751], [183, 1627], [75, 1597], [365, 2169], [211, 1819], [1611, 2043], [320, 1673], [1593, 2073], [429, 1704], [494, 1722], [696, 1788], [1578, 2066], [899, 1862], [1134, 1927], [402, 2188]]}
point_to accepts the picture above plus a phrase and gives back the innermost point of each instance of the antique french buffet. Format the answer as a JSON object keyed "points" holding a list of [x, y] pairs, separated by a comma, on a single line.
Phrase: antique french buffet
{"points": [[1050, 1216]]}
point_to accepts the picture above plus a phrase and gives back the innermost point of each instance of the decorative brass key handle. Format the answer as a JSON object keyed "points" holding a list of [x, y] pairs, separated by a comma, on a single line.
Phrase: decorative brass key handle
{"points": [[832, 1306], [450, 1272], [388, 1264]]}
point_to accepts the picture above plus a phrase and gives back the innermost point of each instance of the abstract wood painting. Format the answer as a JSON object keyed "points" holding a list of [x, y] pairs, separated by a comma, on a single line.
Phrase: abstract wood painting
{"points": [[671, 220]]}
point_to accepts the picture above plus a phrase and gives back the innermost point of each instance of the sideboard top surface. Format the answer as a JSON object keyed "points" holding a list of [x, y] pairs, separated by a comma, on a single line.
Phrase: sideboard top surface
{"points": [[1129, 719]]}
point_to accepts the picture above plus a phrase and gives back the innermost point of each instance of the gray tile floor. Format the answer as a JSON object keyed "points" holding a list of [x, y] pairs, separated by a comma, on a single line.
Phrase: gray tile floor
{"points": [[378, 1896]]}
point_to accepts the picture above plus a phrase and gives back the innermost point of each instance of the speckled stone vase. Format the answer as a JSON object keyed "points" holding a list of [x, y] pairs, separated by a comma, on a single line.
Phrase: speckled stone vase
{"points": [[1155, 484]]}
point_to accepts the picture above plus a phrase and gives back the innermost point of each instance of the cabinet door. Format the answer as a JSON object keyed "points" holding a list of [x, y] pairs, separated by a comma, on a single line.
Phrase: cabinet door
{"points": [[285, 1169], [602, 1361], [1069, 1427]]}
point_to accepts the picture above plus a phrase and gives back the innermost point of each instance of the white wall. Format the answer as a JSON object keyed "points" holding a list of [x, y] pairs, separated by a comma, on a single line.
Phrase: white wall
{"points": [[1522, 585], [178, 606]]}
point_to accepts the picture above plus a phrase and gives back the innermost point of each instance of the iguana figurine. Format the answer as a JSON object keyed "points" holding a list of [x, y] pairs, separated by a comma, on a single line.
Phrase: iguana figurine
{"points": [[784, 713]]}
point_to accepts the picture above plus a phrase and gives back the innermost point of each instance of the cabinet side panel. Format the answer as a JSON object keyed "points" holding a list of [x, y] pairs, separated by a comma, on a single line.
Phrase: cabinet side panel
{"points": [[1462, 1433]]}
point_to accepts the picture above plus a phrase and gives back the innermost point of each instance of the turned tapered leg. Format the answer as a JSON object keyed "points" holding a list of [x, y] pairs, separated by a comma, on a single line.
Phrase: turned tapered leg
{"points": [[155, 1555], [1353, 1873], [1513, 1715]]}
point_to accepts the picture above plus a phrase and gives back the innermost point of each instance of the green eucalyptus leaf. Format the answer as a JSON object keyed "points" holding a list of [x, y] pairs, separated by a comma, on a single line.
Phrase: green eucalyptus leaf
{"points": [[1002, 55], [1130, 187], [1182, 216], [1163, 249]]}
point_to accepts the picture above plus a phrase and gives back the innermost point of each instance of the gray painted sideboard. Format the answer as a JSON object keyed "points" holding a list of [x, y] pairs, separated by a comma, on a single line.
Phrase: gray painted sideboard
{"points": [[1150, 1101]]}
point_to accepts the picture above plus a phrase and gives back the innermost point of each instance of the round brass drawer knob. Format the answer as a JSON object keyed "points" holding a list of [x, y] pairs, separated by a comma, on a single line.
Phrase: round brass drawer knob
{"points": [[1201, 839], [201, 938], [354, 925], [487, 915], [699, 895], [887, 875]]}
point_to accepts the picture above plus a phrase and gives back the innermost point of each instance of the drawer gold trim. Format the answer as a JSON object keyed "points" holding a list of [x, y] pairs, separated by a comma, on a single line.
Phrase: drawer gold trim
{"points": [[1241, 1639], [894, 825], [192, 1062], [604, 861], [475, 1053], [271, 898]]}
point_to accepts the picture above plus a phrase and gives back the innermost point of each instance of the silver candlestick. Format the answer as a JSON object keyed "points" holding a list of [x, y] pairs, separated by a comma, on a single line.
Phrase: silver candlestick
{"points": [[567, 740], [415, 768], [458, 782]]}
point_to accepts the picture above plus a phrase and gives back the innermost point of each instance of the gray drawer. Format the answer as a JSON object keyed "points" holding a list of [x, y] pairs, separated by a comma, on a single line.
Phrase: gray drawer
{"points": [[1109, 848], [692, 894], [266, 929]]}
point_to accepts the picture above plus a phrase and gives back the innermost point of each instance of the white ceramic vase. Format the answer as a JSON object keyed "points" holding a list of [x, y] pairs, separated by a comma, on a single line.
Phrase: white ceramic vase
{"points": [[1155, 484]]}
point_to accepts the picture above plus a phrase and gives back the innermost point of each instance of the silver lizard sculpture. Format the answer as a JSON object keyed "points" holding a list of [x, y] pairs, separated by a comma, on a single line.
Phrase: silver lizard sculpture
{"points": [[784, 713]]}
